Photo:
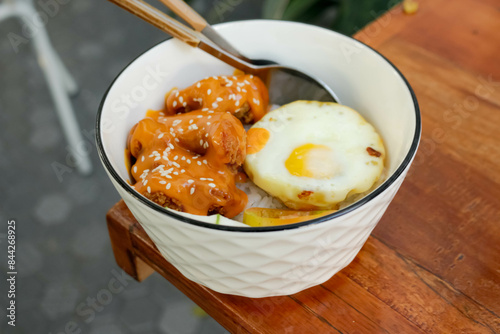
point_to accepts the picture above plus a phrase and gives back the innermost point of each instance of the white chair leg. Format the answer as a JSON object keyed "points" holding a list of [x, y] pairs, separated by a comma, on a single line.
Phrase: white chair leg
{"points": [[6, 11], [69, 83], [60, 82]]}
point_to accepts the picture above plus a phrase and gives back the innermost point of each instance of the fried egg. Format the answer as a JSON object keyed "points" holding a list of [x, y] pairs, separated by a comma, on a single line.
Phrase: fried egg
{"points": [[314, 155]]}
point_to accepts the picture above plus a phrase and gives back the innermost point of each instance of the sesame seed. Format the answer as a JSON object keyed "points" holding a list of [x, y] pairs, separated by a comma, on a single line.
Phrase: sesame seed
{"points": [[168, 186], [210, 116], [257, 102], [135, 169], [183, 158], [229, 84], [157, 158], [176, 140], [199, 116], [238, 88], [216, 78], [246, 81], [160, 135], [209, 92], [176, 164], [188, 161], [198, 85], [215, 105], [181, 99], [206, 135], [190, 181], [183, 170], [221, 172], [201, 142], [210, 111], [176, 157], [191, 121], [175, 173], [241, 84], [163, 182], [244, 90], [176, 122], [208, 123], [209, 179], [184, 104], [168, 177], [196, 157], [204, 109], [251, 76], [149, 189], [142, 158], [220, 99], [174, 104], [199, 163], [176, 93], [202, 179], [205, 162], [191, 191], [237, 103], [195, 127], [145, 182], [171, 146], [212, 185]]}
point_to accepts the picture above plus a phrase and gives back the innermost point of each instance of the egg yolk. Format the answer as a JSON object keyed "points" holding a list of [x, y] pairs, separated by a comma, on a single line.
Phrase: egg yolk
{"points": [[311, 160]]}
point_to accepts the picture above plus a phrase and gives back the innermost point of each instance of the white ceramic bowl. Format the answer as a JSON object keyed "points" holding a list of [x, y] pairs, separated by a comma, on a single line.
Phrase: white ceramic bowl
{"points": [[267, 261]]}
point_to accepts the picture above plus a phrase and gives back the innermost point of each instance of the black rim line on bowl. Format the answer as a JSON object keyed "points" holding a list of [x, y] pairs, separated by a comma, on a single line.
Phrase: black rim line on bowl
{"points": [[406, 161]]}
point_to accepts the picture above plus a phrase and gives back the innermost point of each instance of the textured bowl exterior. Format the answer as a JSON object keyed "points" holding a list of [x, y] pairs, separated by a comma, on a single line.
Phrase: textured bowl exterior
{"points": [[261, 264], [285, 260]]}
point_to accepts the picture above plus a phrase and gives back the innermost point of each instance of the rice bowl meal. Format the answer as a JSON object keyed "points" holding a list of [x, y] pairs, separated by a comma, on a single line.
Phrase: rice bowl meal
{"points": [[274, 199], [306, 156]]}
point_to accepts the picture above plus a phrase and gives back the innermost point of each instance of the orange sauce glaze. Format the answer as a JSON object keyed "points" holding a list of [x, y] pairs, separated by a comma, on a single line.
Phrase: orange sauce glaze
{"points": [[257, 139], [238, 94], [189, 161]]}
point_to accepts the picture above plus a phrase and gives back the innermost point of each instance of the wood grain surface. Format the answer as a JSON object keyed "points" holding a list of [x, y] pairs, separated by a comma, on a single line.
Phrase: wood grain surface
{"points": [[432, 265]]}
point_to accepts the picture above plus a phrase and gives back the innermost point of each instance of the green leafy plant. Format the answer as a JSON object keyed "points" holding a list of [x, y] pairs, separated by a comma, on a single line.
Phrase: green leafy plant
{"points": [[345, 16]]}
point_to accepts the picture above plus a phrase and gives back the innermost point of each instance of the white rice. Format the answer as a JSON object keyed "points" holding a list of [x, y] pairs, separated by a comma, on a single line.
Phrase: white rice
{"points": [[257, 198]]}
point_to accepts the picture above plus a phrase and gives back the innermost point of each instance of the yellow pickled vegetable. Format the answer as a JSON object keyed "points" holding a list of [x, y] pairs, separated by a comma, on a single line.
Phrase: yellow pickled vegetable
{"points": [[257, 217]]}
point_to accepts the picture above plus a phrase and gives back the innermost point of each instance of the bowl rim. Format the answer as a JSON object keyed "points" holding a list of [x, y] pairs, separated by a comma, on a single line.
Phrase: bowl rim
{"points": [[379, 190]]}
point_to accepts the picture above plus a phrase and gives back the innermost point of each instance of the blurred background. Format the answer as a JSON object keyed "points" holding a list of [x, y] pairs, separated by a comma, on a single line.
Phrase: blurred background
{"points": [[64, 257]]}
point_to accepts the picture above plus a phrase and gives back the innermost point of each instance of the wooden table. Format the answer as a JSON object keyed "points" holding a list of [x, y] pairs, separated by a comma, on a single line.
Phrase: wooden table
{"points": [[433, 263]]}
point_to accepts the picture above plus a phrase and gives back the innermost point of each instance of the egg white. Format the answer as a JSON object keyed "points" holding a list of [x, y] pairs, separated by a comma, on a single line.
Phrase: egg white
{"points": [[340, 168]]}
